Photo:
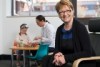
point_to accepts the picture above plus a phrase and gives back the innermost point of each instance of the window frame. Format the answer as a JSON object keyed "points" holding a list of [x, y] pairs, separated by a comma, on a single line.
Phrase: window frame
{"points": [[30, 13]]}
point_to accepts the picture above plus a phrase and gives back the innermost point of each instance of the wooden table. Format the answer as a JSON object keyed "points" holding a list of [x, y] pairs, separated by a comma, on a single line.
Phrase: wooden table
{"points": [[22, 48]]}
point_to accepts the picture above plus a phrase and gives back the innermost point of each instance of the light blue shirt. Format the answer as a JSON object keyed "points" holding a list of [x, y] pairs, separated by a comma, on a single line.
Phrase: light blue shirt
{"points": [[48, 34]]}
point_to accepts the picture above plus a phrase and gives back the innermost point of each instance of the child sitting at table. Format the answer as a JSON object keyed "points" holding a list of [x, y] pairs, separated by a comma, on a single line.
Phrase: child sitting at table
{"points": [[22, 40]]}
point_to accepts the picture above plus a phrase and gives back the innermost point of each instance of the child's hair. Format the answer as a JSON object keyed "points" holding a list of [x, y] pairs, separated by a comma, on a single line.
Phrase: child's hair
{"points": [[23, 26]]}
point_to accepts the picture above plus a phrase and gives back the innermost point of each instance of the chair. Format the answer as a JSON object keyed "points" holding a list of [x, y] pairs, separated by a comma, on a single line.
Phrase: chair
{"points": [[94, 28], [41, 52]]}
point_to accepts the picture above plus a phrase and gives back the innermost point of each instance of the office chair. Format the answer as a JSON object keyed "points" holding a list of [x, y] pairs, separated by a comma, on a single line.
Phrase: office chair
{"points": [[41, 52], [94, 27]]}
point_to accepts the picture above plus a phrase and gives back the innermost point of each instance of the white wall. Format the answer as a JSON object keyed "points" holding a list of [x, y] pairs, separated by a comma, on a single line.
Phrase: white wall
{"points": [[9, 27], [1, 27]]}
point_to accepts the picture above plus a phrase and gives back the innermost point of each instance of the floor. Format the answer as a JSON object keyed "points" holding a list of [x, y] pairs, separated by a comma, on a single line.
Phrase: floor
{"points": [[5, 63]]}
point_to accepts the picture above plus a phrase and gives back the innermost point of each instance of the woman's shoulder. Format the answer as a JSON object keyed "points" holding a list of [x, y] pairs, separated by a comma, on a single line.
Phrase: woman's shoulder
{"points": [[78, 23], [50, 26], [60, 27]]}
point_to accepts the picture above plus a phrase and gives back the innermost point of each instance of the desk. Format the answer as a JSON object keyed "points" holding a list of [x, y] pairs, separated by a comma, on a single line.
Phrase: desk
{"points": [[22, 48]]}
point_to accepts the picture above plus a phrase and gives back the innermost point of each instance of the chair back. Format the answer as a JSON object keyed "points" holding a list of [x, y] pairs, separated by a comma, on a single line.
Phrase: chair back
{"points": [[94, 25], [42, 51], [94, 28]]}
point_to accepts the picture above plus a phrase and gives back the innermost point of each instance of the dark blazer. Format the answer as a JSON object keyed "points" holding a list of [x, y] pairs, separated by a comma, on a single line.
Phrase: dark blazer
{"points": [[81, 42]]}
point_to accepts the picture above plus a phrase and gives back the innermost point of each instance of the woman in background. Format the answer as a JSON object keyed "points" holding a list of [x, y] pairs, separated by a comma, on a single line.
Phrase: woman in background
{"points": [[47, 33]]}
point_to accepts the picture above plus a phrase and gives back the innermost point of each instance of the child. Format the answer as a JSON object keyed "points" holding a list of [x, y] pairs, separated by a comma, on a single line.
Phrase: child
{"points": [[21, 40]]}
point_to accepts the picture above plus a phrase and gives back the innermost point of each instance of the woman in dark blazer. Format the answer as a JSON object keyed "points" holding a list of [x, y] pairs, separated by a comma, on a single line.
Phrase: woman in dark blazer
{"points": [[72, 40]]}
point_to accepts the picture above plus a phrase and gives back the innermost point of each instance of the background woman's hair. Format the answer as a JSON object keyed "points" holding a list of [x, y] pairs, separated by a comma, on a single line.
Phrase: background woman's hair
{"points": [[41, 18]]}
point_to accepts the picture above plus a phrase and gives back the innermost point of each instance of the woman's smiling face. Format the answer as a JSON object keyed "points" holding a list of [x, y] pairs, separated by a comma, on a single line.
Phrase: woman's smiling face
{"points": [[66, 13]]}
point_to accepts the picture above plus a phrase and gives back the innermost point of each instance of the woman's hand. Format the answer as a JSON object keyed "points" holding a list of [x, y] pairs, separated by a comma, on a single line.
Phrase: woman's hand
{"points": [[56, 60], [35, 44], [62, 59], [37, 38], [59, 59]]}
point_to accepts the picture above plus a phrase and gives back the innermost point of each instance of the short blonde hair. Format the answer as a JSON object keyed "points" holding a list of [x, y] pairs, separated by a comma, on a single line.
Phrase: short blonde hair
{"points": [[62, 3]]}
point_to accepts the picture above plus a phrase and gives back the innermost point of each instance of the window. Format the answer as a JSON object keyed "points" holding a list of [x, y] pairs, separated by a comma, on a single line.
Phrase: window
{"points": [[88, 8], [34, 7]]}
